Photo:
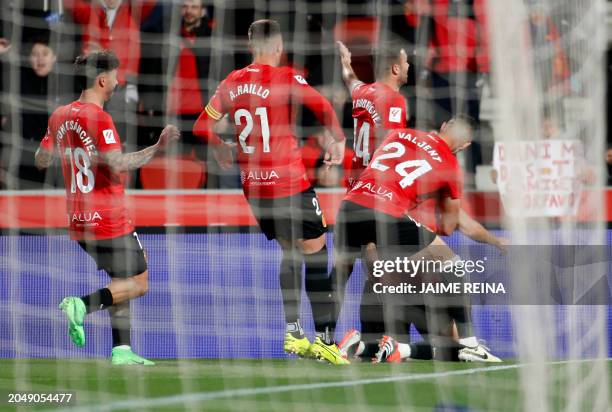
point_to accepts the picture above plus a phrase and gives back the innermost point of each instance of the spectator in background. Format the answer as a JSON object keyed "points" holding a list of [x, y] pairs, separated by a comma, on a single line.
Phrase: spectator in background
{"points": [[115, 25], [551, 63], [188, 89], [5, 46], [39, 98], [609, 164], [458, 61], [410, 21]]}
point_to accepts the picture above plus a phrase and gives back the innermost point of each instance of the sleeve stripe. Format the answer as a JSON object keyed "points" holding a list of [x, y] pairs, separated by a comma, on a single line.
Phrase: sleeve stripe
{"points": [[212, 112]]}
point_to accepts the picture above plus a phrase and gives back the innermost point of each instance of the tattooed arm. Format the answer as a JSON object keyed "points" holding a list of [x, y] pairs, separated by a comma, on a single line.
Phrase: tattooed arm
{"points": [[123, 162], [43, 158]]}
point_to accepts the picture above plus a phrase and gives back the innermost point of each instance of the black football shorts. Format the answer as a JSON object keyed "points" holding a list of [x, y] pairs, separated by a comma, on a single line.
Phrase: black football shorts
{"points": [[357, 226], [120, 257], [291, 218]]}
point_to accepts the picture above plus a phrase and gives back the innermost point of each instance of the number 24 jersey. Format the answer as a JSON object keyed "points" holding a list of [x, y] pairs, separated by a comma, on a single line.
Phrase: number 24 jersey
{"points": [[408, 168]]}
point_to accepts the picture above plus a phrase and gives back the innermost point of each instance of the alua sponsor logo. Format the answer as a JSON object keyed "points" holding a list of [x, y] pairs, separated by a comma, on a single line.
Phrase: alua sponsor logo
{"points": [[373, 189], [259, 175], [86, 217]]}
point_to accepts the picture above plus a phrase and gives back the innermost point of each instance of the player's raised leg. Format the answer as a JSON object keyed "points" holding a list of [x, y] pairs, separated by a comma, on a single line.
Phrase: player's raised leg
{"points": [[124, 261]]}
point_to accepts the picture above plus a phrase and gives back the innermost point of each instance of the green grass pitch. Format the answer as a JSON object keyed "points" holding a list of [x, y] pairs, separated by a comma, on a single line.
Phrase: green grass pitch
{"points": [[280, 385]]}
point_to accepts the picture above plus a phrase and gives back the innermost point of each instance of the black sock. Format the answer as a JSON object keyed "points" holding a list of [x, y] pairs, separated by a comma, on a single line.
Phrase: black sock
{"points": [[121, 323], [463, 319], [421, 350], [320, 292], [100, 299], [291, 284], [371, 314], [369, 350], [443, 348]]}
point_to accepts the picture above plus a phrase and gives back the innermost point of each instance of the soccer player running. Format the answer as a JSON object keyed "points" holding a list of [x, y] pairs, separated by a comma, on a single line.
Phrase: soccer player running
{"points": [[83, 135], [378, 108], [261, 101]]}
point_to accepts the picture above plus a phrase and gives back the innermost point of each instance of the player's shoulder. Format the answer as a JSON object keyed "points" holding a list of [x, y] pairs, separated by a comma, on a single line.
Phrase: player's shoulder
{"points": [[400, 134], [61, 111], [233, 75], [445, 152], [290, 74], [385, 94], [360, 88], [102, 115]]}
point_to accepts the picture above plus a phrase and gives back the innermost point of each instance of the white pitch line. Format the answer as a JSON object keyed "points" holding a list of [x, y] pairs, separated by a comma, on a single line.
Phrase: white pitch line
{"points": [[231, 393]]}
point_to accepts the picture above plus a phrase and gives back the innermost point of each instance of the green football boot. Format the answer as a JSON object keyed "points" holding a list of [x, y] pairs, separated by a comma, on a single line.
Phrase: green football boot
{"points": [[74, 308], [297, 345], [327, 352], [123, 355]]}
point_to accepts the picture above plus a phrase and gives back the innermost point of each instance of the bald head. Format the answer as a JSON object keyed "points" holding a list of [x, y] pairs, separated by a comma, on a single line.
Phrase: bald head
{"points": [[458, 132]]}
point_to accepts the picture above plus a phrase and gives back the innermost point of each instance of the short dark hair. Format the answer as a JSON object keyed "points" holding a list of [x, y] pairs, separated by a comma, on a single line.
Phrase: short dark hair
{"points": [[88, 67], [40, 38], [385, 57], [262, 30]]}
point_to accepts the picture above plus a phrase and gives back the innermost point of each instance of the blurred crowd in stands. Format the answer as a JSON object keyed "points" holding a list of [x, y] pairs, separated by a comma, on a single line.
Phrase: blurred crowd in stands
{"points": [[174, 53]]}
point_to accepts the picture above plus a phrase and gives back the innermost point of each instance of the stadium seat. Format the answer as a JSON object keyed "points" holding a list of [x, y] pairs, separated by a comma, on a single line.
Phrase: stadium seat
{"points": [[173, 173]]}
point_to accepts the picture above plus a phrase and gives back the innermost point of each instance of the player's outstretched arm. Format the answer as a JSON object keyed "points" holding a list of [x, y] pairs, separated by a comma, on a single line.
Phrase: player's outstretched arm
{"points": [[123, 162], [475, 231], [348, 74]]}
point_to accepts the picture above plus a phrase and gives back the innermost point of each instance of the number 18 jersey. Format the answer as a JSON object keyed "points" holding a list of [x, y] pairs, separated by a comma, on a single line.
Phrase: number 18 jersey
{"points": [[95, 194], [408, 168]]}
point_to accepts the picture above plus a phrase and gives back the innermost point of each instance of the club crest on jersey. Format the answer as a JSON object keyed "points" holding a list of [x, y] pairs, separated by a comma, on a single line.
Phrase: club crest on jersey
{"points": [[86, 217], [395, 114], [258, 175], [373, 189], [109, 136], [300, 79]]}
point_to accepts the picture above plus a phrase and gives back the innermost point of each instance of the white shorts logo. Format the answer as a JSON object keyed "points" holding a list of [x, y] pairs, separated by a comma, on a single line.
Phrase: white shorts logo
{"points": [[300, 79], [395, 114], [109, 136]]}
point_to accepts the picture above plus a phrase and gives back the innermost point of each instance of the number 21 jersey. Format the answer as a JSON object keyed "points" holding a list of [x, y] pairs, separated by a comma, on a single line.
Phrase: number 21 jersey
{"points": [[261, 102], [95, 194]]}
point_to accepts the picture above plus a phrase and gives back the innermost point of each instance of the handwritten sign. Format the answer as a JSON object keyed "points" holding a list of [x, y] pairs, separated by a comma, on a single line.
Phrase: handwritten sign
{"points": [[539, 178]]}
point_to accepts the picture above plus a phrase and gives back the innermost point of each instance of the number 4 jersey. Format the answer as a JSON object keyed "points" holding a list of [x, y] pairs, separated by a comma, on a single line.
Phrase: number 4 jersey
{"points": [[375, 106], [79, 132], [409, 167]]}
